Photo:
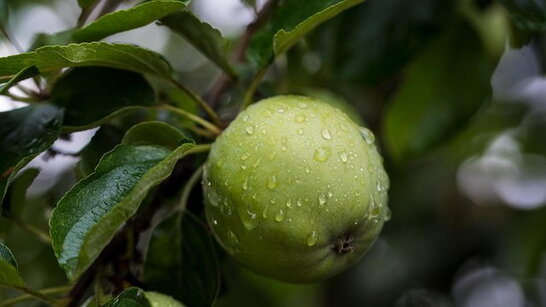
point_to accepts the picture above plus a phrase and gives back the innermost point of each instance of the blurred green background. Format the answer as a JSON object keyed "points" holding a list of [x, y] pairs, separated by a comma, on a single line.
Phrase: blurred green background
{"points": [[454, 91]]}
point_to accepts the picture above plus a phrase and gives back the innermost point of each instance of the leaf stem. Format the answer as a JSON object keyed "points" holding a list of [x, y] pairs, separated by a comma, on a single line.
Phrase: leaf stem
{"points": [[182, 204], [41, 295], [208, 125], [199, 148], [249, 95], [202, 103]]}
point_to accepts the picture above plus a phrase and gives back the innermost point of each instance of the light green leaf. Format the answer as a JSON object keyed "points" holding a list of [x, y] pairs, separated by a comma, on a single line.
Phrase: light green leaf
{"points": [[90, 214], [25, 73], [24, 133], [290, 22], [9, 274], [94, 95], [125, 20], [121, 56], [444, 87], [201, 35], [182, 261], [153, 133]]}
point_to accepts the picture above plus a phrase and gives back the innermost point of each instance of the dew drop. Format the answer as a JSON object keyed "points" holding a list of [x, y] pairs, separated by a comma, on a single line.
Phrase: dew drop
{"points": [[367, 135], [289, 203], [232, 238], [374, 209], [215, 222], [283, 148], [272, 182], [245, 156], [388, 215], [312, 239], [257, 162], [279, 216], [280, 110], [299, 203], [322, 199], [245, 118], [330, 193], [245, 184], [326, 134], [213, 198], [307, 169], [249, 219], [300, 118], [378, 186], [343, 156], [249, 130], [302, 105], [300, 131], [322, 154]]}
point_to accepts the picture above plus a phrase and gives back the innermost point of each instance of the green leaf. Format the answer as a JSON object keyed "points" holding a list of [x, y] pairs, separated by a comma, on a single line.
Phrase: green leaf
{"points": [[93, 95], [121, 56], [182, 261], [444, 87], [104, 140], [3, 11], [529, 15], [125, 20], [132, 297], [90, 214], [399, 29], [290, 22], [9, 273], [24, 133], [86, 3], [25, 73], [202, 36], [153, 133], [19, 188]]}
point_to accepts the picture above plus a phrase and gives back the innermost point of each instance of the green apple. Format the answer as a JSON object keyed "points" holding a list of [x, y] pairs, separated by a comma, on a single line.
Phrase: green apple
{"points": [[295, 190], [161, 300]]}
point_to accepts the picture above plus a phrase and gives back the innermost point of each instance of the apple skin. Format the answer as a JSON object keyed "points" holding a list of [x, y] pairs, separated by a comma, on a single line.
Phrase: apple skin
{"points": [[295, 190]]}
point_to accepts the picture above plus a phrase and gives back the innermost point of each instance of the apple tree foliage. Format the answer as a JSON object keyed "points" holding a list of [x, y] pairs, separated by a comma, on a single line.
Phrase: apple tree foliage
{"points": [[129, 229]]}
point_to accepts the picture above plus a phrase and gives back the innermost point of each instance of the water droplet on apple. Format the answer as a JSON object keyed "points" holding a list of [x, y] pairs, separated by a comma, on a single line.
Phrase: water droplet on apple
{"points": [[312, 239], [322, 154]]}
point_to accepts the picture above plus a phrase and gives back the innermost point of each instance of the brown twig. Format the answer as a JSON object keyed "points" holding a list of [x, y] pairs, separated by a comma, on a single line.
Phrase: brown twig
{"points": [[239, 55]]}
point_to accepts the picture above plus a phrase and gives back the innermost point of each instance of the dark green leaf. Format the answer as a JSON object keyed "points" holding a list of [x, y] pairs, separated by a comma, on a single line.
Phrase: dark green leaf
{"points": [[86, 3], [103, 141], [124, 20], [93, 95], [132, 297], [90, 214], [24, 133], [204, 37], [3, 11], [27, 72], [9, 274], [391, 31], [444, 87], [121, 56], [528, 15], [153, 133], [182, 261], [290, 22], [20, 186]]}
